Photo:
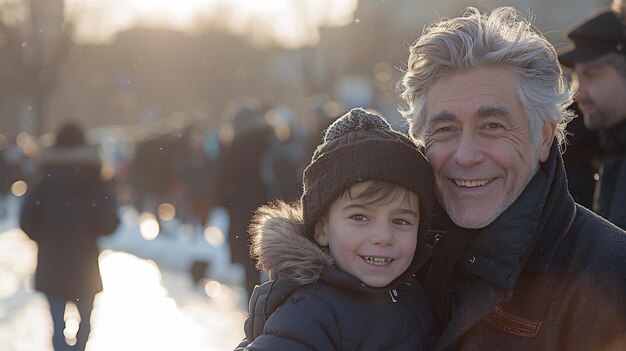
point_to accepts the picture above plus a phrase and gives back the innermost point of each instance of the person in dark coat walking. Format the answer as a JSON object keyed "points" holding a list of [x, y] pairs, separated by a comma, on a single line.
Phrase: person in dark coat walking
{"points": [[197, 172], [341, 260], [64, 213], [597, 61], [245, 138], [517, 264]]}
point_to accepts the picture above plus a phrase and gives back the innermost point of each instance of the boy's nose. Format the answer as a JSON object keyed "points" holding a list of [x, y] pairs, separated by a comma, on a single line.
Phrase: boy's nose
{"points": [[382, 236]]}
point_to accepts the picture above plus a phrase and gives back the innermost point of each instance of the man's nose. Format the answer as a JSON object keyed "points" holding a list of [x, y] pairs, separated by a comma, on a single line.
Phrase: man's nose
{"points": [[468, 151]]}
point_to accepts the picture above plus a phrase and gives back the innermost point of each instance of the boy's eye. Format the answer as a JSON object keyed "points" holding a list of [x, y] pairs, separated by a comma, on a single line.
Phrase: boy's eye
{"points": [[358, 217], [401, 221]]}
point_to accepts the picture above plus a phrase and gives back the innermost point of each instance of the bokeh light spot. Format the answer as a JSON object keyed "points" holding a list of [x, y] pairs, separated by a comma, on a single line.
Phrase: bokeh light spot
{"points": [[19, 188], [148, 226], [166, 211], [214, 236]]}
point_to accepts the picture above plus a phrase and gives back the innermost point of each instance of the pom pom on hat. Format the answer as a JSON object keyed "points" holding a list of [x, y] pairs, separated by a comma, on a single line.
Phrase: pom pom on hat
{"points": [[356, 119]]}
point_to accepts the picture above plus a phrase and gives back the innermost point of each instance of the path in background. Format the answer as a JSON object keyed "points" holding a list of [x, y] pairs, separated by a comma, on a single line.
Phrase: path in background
{"points": [[142, 307]]}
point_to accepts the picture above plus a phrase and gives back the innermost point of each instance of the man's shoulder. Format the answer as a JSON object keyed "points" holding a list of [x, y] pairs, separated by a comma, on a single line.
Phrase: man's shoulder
{"points": [[588, 221], [598, 239]]}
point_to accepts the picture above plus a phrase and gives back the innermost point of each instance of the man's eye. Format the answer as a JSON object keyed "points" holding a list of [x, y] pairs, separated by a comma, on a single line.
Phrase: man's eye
{"points": [[443, 129], [439, 129], [493, 125]]}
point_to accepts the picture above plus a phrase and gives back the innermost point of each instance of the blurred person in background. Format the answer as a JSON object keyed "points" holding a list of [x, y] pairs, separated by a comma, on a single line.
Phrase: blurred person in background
{"points": [[319, 113], [283, 156], [64, 213], [597, 61], [152, 171], [197, 171], [244, 135]]}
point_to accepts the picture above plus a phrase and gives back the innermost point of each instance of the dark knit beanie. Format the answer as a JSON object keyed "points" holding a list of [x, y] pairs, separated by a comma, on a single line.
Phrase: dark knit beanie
{"points": [[357, 147]]}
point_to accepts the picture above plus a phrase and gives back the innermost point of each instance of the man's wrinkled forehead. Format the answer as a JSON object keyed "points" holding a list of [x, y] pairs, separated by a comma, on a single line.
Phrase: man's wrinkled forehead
{"points": [[482, 111]]}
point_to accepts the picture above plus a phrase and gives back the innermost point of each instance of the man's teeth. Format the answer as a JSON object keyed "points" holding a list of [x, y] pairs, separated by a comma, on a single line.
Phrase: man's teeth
{"points": [[470, 183], [377, 261]]}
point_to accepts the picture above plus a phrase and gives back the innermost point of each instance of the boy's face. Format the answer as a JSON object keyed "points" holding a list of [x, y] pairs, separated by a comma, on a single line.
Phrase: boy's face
{"points": [[373, 242]]}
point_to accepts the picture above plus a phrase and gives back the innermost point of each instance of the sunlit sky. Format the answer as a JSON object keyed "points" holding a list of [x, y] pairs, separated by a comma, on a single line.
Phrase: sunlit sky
{"points": [[291, 22]]}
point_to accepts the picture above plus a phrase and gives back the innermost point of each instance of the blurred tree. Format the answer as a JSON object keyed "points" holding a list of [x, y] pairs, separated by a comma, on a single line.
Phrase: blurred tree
{"points": [[35, 38]]}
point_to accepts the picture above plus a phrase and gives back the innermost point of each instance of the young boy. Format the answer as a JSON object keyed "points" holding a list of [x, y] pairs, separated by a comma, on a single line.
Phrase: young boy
{"points": [[341, 261]]}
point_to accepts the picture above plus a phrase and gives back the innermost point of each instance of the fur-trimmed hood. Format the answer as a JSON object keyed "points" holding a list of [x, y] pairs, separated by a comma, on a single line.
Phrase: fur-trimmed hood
{"points": [[280, 246]]}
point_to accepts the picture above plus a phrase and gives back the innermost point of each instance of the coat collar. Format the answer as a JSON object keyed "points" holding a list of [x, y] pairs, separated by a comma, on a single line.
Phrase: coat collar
{"points": [[527, 234], [498, 253], [556, 219]]}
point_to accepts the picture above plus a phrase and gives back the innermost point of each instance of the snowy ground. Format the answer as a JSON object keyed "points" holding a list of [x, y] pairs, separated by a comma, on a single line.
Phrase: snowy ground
{"points": [[149, 302]]}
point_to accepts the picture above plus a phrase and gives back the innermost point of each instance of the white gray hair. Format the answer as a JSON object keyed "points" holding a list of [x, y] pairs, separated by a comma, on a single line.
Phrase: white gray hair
{"points": [[472, 41]]}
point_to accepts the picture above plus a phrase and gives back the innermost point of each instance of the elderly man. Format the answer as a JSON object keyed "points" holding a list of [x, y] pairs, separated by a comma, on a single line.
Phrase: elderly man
{"points": [[516, 264], [597, 60]]}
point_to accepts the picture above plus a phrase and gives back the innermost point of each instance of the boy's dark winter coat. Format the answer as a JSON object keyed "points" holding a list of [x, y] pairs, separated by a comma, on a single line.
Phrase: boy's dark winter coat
{"points": [[64, 213]]}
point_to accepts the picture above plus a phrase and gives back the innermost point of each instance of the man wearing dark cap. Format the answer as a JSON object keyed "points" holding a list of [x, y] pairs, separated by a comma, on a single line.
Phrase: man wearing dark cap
{"points": [[597, 60]]}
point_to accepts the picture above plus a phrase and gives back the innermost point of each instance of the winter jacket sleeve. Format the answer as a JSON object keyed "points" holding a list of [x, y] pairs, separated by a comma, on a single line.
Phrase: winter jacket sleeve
{"points": [[304, 323]]}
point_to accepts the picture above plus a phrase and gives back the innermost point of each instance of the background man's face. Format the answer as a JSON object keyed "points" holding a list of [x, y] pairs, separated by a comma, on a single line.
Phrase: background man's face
{"points": [[601, 94], [478, 142]]}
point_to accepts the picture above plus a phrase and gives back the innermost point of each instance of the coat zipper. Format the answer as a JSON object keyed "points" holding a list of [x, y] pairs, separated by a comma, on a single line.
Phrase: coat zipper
{"points": [[416, 324]]}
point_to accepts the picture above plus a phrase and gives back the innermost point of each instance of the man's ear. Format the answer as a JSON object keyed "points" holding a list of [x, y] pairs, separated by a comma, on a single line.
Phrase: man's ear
{"points": [[547, 137], [320, 235]]}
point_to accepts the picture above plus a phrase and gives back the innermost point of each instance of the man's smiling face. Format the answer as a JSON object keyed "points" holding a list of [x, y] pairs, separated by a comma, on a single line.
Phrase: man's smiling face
{"points": [[478, 142]]}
